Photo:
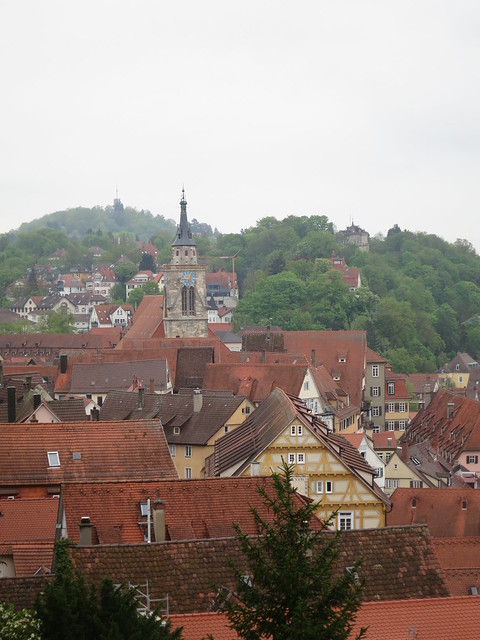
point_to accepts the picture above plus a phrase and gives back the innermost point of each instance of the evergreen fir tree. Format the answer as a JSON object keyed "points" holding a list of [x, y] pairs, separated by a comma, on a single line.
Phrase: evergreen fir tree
{"points": [[291, 591]]}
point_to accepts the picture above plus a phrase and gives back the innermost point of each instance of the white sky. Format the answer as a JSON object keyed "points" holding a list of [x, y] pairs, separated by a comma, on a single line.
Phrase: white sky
{"points": [[356, 109]]}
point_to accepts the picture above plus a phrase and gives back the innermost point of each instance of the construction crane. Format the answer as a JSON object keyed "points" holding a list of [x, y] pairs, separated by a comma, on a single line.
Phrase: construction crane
{"points": [[232, 258]]}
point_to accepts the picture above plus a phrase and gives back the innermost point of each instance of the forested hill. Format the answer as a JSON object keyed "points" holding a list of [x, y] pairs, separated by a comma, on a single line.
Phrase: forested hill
{"points": [[77, 222], [420, 295]]}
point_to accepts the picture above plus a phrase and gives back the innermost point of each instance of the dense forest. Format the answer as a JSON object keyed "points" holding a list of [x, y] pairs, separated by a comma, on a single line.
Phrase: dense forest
{"points": [[419, 302]]}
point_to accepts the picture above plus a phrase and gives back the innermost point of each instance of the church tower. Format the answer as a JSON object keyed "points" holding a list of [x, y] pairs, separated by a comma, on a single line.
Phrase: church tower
{"points": [[185, 312]]}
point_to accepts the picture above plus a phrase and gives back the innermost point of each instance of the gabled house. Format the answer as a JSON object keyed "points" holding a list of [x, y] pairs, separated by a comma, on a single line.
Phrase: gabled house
{"points": [[327, 468], [101, 282], [36, 458], [374, 393], [192, 420], [363, 443], [69, 283], [24, 306], [456, 373], [111, 315], [138, 280], [451, 424], [350, 275]]}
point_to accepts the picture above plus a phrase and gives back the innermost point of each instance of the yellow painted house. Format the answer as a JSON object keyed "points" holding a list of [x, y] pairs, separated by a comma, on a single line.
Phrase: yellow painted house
{"points": [[327, 468]]}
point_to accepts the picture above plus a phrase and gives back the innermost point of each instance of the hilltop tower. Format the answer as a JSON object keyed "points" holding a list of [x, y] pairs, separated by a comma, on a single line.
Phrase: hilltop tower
{"points": [[185, 313]]}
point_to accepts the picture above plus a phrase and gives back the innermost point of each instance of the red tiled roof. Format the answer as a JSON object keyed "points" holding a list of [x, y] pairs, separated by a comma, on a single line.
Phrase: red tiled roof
{"points": [[452, 420], [28, 520], [460, 561], [108, 450], [327, 347], [194, 509], [256, 381], [384, 440], [447, 512], [425, 619], [196, 626], [372, 356]]}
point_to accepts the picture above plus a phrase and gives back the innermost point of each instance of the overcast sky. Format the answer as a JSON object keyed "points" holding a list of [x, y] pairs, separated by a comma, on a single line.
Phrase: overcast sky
{"points": [[359, 110]]}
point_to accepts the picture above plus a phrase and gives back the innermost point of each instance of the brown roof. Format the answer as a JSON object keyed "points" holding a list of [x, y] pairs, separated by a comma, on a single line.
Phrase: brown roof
{"points": [[326, 347], [447, 512], [87, 450], [102, 377], [187, 570], [452, 420], [460, 561], [147, 318], [425, 619], [194, 509], [28, 520], [175, 410], [256, 381]]}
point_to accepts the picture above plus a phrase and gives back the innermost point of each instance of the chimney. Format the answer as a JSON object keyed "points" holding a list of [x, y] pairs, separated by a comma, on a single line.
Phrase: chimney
{"points": [[63, 363], [435, 442], [12, 404], [95, 414], [450, 408], [159, 519], [152, 385], [141, 397], [37, 399], [405, 451], [314, 358], [28, 383], [85, 532], [197, 400], [264, 356]]}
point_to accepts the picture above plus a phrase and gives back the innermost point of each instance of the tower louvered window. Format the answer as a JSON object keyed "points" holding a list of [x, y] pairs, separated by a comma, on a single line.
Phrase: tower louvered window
{"points": [[188, 301]]}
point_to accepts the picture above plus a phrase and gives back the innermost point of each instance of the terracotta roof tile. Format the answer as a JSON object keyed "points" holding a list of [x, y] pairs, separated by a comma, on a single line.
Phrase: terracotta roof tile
{"points": [[28, 520], [426, 619], [102, 377], [107, 450], [194, 509], [447, 512]]}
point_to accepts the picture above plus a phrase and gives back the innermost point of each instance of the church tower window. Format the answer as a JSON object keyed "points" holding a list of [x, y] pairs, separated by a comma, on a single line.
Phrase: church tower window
{"points": [[188, 301]]}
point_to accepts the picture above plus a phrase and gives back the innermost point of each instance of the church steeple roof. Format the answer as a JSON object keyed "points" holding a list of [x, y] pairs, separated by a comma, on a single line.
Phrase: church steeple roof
{"points": [[184, 236]]}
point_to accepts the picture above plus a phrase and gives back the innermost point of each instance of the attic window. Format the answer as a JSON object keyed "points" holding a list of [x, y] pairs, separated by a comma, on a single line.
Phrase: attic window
{"points": [[144, 509], [76, 455], [176, 431], [464, 505], [53, 459], [414, 503]]}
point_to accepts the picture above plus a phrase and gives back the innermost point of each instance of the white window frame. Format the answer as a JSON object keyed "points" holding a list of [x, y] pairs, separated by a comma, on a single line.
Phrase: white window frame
{"points": [[306, 385], [188, 451], [345, 520], [401, 425], [300, 458], [188, 473], [402, 407], [299, 430], [376, 412], [173, 450], [391, 425], [472, 459], [328, 486], [293, 430], [375, 392], [391, 407], [53, 459], [375, 371], [391, 388], [291, 458], [319, 486]]}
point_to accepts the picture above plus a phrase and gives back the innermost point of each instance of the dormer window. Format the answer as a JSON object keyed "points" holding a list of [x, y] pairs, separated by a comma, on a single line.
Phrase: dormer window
{"points": [[53, 459], [176, 431], [391, 388]]}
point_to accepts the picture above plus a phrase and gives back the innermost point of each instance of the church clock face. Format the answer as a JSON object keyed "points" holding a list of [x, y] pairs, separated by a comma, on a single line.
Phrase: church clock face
{"points": [[187, 278]]}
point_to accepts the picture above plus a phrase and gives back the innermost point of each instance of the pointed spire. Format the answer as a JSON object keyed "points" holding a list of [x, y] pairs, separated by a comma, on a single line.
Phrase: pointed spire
{"points": [[184, 233]]}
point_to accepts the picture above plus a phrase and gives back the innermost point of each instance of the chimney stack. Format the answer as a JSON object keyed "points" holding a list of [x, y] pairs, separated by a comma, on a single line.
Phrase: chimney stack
{"points": [[141, 397], [152, 385], [405, 451], [314, 358], [95, 414], [28, 383], [63, 363], [159, 519], [37, 399], [197, 400], [85, 532], [12, 404]]}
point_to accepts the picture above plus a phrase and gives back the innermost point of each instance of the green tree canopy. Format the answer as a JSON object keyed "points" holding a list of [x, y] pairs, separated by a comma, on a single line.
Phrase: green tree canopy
{"points": [[290, 591]]}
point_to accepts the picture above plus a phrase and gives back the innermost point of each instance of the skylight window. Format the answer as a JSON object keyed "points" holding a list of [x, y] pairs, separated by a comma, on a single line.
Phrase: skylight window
{"points": [[53, 459]]}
